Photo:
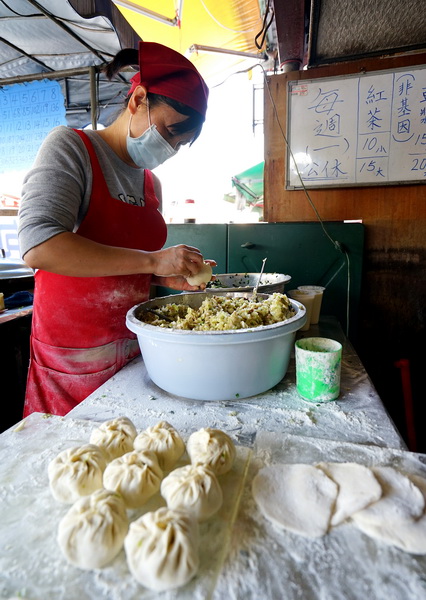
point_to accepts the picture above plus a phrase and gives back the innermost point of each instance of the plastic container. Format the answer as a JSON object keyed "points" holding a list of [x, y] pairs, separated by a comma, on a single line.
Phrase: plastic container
{"points": [[308, 300], [318, 290], [215, 365]]}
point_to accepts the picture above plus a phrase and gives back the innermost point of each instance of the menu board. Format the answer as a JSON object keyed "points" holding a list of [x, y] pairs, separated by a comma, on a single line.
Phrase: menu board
{"points": [[364, 129], [28, 111]]}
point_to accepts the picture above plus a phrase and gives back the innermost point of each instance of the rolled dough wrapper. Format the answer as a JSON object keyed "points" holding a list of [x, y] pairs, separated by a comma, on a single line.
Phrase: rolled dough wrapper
{"points": [[398, 518], [358, 488], [297, 497]]}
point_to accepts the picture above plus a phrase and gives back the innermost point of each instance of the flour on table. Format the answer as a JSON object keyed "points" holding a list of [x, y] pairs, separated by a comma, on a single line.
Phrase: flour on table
{"points": [[298, 497], [358, 488]]}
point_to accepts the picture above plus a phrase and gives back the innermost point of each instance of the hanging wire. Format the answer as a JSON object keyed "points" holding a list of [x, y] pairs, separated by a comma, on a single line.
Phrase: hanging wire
{"points": [[337, 245], [348, 290], [265, 25]]}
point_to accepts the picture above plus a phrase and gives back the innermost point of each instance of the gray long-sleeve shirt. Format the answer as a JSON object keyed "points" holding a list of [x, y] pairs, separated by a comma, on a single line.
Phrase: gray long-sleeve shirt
{"points": [[56, 192]]}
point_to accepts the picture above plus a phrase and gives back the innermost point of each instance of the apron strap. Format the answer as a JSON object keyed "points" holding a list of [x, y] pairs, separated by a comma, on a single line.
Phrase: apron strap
{"points": [[98, 176]]}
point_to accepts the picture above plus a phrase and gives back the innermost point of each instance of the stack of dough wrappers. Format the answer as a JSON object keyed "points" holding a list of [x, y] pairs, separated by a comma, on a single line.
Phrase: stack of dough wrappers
{"points": [[311, 500]]}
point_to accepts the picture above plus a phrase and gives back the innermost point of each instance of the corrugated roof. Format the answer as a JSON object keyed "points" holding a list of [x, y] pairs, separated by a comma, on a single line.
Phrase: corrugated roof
{"points": [[39, 38]]}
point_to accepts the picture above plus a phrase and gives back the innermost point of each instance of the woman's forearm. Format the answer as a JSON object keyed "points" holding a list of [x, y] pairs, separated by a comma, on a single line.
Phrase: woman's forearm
{"points": [[76, 256]]}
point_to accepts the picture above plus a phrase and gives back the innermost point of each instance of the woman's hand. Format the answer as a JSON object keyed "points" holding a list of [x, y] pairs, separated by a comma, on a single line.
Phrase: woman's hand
{"points": [[180, 282], [180, 260]]}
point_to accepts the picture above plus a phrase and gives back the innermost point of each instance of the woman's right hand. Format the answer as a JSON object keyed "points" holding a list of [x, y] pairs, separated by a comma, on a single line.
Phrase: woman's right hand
{"points": [[177, 260]]}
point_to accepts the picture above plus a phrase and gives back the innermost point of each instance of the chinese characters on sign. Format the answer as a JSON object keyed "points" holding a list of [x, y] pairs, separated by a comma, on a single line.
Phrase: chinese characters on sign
{"points": [[367, 129]]}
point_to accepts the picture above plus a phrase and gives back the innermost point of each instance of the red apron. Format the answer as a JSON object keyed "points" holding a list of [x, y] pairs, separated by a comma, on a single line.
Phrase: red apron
{"points": [[79, 337]]}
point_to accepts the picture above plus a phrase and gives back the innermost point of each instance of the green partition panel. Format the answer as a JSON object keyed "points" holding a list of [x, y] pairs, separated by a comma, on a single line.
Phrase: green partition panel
{"points": [[304, 251], [210, 239]]}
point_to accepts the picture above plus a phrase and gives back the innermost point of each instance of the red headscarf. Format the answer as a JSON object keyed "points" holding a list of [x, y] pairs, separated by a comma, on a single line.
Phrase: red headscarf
{"points": [[167, 72]]}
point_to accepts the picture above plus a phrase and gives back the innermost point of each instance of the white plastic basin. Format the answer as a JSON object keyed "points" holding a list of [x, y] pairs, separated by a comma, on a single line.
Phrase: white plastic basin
{"points": [[215, 365]]}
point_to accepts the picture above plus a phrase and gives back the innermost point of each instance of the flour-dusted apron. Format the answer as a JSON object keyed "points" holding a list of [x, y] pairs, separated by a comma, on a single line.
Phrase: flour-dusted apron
{"points": [[79, 337]]}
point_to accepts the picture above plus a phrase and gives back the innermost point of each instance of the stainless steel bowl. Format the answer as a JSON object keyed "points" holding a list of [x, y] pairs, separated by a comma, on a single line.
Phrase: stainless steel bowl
{"points": [[215, 365], [245, 282]]}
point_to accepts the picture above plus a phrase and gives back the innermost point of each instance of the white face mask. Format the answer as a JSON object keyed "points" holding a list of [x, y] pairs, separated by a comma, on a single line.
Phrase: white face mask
{"points": [[150, 149]]}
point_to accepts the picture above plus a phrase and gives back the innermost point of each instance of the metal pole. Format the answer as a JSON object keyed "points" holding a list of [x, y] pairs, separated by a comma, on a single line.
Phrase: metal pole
{"points": [[93, 98], [49, 75]]}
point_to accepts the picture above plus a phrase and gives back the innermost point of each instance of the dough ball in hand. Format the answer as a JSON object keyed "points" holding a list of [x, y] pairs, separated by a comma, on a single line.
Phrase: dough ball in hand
{"points": [[203, 276]]}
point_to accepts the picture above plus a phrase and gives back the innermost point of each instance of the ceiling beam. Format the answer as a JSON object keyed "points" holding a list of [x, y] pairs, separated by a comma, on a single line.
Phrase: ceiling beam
{"points": [[20, 51]]}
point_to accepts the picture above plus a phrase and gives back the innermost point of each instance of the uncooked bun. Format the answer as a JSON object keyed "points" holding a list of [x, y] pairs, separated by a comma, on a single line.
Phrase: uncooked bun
{"points": [[193, 488], [162, 549], [115, 437], [136, 476], [165, 441], [202, 276], [211, 447], [92, 532], [76, 472]]}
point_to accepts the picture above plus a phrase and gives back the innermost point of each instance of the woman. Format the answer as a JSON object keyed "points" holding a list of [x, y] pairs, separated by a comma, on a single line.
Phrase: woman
{"points": [[90, 223]]}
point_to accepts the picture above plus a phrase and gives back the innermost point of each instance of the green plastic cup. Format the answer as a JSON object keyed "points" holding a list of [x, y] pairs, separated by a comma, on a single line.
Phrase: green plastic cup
{"points": [[318, 363]]}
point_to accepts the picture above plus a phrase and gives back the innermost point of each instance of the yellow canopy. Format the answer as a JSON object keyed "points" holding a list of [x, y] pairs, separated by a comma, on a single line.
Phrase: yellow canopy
{"points": [[225, 27]]}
